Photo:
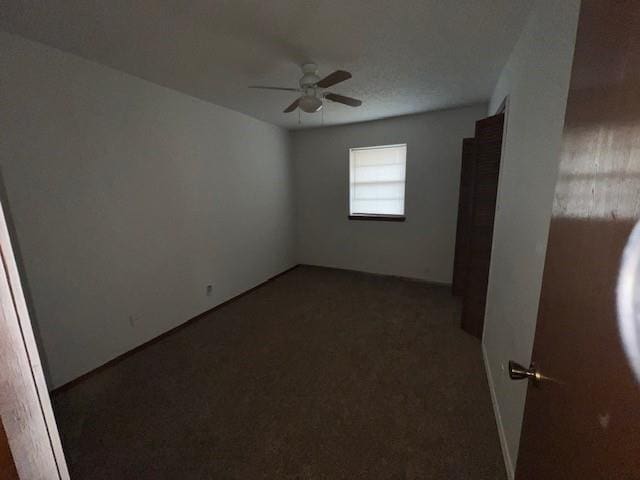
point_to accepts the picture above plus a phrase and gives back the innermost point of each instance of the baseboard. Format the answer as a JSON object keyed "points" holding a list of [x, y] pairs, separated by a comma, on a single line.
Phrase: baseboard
{"points": [[508, 463], [388, 275], [153, 340]]}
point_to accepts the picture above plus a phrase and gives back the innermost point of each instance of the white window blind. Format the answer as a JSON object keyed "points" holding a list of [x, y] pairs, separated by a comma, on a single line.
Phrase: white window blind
{"points": [[376, 180]]}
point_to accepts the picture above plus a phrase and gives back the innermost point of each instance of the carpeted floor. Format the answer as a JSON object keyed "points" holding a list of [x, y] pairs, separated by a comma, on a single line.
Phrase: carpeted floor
{"points": [[319, 374]]}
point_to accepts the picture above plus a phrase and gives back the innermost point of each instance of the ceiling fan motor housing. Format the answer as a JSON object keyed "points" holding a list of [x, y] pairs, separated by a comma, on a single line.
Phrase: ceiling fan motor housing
{"points": [[310, 77]]}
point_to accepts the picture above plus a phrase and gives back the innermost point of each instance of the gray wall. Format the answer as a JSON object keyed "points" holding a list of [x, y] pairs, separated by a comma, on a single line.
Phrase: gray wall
{"points": [[536, 81], [128, 199], [421, 247]]}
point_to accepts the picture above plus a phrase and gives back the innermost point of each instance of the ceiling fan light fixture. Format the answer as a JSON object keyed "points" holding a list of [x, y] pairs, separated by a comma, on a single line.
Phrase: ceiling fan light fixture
{"points": [[310, 104]]}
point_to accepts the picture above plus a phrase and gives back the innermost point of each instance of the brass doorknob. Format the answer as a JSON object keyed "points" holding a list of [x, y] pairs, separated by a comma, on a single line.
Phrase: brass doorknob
{"points": [[518, 372]]}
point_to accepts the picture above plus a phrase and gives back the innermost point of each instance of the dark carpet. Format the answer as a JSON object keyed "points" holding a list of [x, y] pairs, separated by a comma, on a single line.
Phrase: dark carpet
{"points": [[319, 374]]}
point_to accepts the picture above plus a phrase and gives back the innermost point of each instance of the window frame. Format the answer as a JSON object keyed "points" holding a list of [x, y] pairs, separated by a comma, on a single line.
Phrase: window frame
{"points": [[383, 217]]}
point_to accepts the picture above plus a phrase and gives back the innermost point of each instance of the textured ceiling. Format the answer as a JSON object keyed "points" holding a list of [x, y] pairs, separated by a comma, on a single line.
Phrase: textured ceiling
{"points": [[406, 56]]}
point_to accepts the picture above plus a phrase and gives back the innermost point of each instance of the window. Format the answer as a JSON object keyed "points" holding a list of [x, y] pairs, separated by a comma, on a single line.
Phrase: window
{"points": [[376, 182]]}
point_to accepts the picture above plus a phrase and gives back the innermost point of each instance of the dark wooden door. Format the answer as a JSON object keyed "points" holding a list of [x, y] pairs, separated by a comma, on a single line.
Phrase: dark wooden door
{"points": [[7, 467], [465, 210], [488, 147], [585, 424]]}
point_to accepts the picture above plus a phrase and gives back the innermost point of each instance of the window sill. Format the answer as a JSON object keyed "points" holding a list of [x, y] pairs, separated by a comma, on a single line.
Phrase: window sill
{"points": [[379, 218]]}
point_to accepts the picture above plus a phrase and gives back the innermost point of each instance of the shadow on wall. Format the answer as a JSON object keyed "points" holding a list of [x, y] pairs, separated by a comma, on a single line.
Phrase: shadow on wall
{"points": [[6, 207]]}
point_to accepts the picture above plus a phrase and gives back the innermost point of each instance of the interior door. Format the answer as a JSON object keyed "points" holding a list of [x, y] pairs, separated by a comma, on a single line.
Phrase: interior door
{"points": [[465, 210], [582, 419], [487, 149]]}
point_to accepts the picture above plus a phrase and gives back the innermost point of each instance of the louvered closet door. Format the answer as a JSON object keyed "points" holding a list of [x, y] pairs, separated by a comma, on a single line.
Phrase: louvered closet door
{"points": [[488, 146], [465, 210]]}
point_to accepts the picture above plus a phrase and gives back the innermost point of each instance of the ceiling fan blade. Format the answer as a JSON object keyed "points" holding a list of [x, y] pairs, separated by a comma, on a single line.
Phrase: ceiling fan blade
{"points": [[286, 89], [333, 78], [292, 107], [334, 97]]}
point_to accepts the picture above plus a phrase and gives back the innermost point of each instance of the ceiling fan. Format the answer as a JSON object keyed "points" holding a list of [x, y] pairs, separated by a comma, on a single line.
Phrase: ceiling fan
{"points": [[312, 90]]}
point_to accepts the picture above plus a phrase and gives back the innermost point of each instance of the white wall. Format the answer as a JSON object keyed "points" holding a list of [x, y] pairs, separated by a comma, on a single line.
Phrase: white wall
{"points": [[421, 247], [536, 79], [128, 199]]}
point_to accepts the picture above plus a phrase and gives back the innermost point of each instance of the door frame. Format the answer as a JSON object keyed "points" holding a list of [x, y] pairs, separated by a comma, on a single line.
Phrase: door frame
{"points": [[25, 406]]}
